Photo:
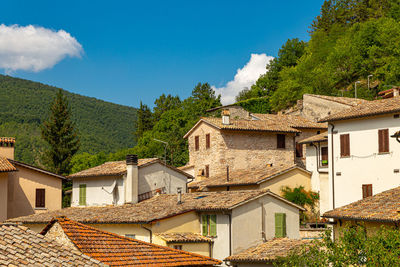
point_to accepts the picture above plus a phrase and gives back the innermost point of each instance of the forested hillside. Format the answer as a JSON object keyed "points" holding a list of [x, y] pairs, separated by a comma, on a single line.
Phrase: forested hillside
{"points": [[349, 41], [24, 105]]}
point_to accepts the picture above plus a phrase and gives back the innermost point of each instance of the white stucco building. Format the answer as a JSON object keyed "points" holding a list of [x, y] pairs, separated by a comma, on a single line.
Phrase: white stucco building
{"points": [[130, 181], [363, 158]]}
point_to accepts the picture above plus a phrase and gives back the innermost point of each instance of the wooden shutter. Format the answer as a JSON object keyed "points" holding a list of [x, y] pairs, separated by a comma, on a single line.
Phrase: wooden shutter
{"points": [[367, 190], [280, 140], [204, 224], [383, 140], [207, 174], [324, 156], [207, 140], [196, 143], [213, 225], [344, 145], [299, 150], [82, 195], [280, 224], [40, 198]]}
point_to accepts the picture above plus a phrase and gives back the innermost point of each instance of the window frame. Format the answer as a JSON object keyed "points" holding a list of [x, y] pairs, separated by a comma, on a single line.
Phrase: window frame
{"points": [[197, 143], [345, 145], [40, 203], [280, 233], [280, 141], [208, 141], [327, 157], [178, 247], [209, 225], [383, 141], [367, 190]]}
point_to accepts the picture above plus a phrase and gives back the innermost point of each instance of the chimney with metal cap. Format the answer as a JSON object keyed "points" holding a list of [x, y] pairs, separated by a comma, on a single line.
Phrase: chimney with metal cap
{"points": [[226, 117], [132, 179]]}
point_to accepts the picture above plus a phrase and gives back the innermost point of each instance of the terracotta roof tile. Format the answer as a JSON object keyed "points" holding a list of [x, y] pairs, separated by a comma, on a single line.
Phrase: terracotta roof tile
{"points": [[184, 238], [268, 251], [115, 250], [6, 166], [383, 207], [115, 168], [21, 246], [7, 140], [244, 177], [293, 121], [322, 137], [153, 209], [371, 108]]}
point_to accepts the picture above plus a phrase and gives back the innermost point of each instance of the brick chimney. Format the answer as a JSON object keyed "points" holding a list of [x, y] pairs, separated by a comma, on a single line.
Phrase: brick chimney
{"points": [[132, 179], [226, 116], [7, 147]]}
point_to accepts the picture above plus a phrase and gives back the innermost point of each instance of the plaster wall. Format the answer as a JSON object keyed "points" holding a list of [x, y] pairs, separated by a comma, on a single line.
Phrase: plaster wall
{"points": [[220, 248], [293, 178], [315, 108], [3, 195], [7, 152], [22, 186], [365, 165], [371, 227]]}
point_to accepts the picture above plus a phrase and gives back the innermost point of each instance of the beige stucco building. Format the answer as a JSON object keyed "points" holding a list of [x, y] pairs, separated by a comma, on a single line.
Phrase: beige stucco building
{"points": [[26, 189]]}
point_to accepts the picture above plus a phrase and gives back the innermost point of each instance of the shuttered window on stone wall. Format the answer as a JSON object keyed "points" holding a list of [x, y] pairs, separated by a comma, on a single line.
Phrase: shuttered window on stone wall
{"points": [[299, 150], [344, 145], [208, 144], [383, 140], [209, 225], [366, 190], [280, 225], [82, 195], [196, 143], [280, 140], [40, 198]]}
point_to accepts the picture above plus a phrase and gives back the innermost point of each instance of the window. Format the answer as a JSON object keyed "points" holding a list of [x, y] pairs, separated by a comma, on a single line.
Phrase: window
{"points": [[345, 145], [280, 140], [207, 140], [178, 247], [207, 171], [40, 198], [366, 190], [196, 143], [82, 195], [130, 235], [280, 225], [299, 150], [209, 225], [324, 156], [383, 140]]}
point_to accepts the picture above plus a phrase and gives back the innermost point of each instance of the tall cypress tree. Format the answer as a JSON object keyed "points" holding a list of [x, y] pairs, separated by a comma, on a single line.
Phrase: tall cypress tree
{"points": [[62, 138]]}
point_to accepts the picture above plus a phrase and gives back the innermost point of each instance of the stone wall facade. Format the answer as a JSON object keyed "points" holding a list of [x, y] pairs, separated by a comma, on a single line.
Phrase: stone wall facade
{"points": [[237, 149]]}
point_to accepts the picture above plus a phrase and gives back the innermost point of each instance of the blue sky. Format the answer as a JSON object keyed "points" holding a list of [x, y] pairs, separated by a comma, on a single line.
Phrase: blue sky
{"points": [[137, 50]]}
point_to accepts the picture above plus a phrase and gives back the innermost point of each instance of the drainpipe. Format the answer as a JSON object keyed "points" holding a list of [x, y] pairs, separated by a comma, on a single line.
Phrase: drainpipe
{"points": [[317, 151], [150, 232], [230, 234], [333, 168], [294, 149]]}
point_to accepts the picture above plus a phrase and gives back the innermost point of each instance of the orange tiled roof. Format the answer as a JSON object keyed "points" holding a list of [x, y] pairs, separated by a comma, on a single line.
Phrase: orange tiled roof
{"points": [[184, 238], [7, 140], [6, 166], [268, 251], [371, 108], [315, 138], [20, 246], [293, 121], [384, 207], [115, 250], [116, 168], [244, 177], [153, 209]]}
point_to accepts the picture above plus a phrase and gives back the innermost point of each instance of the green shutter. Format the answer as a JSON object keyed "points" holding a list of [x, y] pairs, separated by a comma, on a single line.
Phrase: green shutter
{"points": [[280, 224], [82, 195], [204, 225], [213, 225]]}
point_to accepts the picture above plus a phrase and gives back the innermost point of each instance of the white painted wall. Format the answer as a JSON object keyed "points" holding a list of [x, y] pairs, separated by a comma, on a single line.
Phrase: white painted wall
{"points": [[221, 242], [365, 165], [319, 176]]}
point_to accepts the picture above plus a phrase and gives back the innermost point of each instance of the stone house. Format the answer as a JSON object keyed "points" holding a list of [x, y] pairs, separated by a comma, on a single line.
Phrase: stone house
{"points": [[25, 189], [254, 142], [213, 224], [115, 250], [130, 181], [372, 212]]}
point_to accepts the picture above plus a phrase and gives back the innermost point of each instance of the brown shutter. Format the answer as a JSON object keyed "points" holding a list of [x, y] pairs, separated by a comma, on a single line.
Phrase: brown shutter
{"points": [[344, 145], [383, 140], [196, 142], [207, 140], [40, 198], [299, 150], [280, 141], [369, 190], [366, 190], [207, 174]]}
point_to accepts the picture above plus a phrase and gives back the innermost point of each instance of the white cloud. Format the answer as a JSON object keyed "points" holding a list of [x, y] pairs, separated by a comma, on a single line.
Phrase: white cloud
{"points": [[33, 48], [245, 77]]}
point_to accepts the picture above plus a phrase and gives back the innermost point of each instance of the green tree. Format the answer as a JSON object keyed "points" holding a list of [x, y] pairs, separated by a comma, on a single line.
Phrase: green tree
{"points": [[300, 196], [165, 103], [144, 120], [353, 247], [59, 133]]}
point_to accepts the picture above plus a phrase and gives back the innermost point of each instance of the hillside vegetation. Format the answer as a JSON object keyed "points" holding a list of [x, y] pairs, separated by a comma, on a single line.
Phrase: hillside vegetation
{"points": [[24, 105], [349, 41]]}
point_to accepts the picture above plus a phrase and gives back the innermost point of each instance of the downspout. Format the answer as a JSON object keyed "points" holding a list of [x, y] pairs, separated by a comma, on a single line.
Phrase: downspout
{"points": [[150, 232], [230, 234], [333, 168], [294, 149], [317, 151]]}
